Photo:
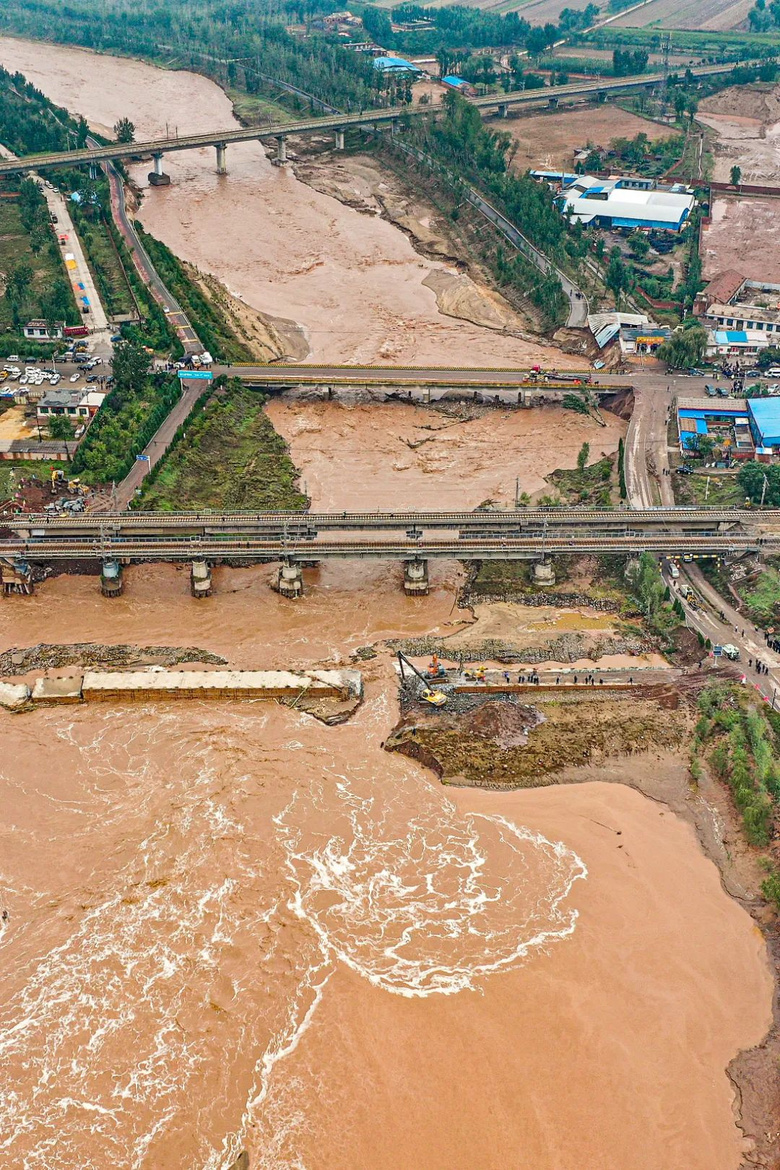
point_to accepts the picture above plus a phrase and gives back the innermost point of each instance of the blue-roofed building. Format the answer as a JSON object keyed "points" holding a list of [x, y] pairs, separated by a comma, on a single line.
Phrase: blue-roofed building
{"points": [[458, 83], [395, 65], [765, 422], [726, 419]]}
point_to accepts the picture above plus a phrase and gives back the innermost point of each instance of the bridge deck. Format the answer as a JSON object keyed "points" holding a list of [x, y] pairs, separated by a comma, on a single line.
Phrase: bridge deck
{"points": [[330, 122]]}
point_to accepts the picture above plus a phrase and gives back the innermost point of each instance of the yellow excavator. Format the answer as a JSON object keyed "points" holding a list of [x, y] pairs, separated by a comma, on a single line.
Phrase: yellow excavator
{"points": [[434, 698]]}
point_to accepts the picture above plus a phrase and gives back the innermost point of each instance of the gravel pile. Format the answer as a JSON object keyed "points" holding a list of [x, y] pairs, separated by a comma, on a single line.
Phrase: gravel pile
{"points": [[45, 655]]}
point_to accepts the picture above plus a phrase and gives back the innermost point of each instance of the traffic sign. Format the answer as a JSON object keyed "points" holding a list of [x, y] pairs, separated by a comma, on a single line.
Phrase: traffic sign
{"points": [[205, 375]]}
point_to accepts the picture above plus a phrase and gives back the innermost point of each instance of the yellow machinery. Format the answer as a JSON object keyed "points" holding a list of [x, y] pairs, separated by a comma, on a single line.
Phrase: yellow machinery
{"points": [[434, 698]]}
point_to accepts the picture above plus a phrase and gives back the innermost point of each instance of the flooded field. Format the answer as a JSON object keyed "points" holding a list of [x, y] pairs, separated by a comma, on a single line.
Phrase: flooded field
{"points": [[548, 141], [233, 927], [742, 235]]}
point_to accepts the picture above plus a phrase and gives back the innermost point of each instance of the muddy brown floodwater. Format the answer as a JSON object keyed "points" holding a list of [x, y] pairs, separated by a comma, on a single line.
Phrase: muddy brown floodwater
{"points": [[401, 456], [233, 927], [353, 283]]}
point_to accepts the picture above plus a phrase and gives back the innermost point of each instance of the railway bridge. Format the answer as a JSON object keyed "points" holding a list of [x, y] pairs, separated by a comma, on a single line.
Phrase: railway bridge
{"points": [[294, 540]]}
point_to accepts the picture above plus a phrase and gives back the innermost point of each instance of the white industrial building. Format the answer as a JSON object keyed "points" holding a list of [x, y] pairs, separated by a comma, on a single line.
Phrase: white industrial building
{"points": [[627, 203]]}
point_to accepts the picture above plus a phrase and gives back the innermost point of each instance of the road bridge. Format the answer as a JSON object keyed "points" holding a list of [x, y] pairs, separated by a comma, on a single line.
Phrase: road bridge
{"points": [[285, 375], [336, 123]]}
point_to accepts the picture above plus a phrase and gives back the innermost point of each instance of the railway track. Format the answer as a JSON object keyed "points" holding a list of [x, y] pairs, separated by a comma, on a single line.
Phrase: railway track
{"points": [[254, 548], [552, 518]]}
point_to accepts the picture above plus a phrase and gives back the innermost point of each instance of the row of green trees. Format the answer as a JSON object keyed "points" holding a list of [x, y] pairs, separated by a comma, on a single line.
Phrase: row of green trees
{"points": [[137, 404]]}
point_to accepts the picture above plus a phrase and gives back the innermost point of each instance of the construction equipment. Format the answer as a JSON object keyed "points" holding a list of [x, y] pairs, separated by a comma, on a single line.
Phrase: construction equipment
{"points": [[435, 669], [435, 698], [57, 480]]}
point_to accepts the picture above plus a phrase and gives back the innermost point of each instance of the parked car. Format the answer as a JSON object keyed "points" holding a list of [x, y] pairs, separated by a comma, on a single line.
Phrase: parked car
{"points": [[75, 377]]}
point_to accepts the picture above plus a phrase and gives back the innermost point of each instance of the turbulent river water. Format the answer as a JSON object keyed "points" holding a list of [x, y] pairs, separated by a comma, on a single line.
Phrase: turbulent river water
{"points": [[233, 927]]}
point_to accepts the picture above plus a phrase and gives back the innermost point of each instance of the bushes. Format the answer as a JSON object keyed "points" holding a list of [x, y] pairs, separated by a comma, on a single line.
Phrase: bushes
{"points": [[742, 756]]}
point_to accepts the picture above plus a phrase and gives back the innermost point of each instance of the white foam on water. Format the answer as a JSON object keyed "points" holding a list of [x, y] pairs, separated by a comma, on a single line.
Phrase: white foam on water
{"points": [[108, 1039]]}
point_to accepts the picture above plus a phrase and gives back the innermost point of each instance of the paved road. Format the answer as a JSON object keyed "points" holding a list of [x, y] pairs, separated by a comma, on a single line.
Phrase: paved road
{"points": [[647, 457], [143, 264], [160, 441], [80, 274]]}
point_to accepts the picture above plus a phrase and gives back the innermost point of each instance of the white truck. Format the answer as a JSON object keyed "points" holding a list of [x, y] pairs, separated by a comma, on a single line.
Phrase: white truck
{"points": [[731, 652]]}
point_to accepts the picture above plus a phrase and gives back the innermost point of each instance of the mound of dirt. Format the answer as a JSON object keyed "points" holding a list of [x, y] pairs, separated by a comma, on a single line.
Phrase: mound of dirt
{"points": [[505, 724]]}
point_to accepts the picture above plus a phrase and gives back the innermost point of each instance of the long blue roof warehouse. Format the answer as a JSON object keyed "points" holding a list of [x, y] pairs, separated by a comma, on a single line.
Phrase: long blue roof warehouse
{"points": [[765, 421]]}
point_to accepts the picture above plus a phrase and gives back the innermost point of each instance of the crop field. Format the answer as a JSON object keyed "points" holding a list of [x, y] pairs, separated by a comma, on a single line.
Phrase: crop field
{"points": [[693, 14]]}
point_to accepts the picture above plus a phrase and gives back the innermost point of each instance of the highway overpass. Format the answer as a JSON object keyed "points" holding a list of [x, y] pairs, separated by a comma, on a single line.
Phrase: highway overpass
{"points": [[337, 123]]}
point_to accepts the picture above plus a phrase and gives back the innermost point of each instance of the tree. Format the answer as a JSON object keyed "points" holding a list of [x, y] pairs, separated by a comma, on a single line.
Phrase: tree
{"points": [[124, 130], [639, 244], [647, 584], [582, 456], [736, 175], [18, 288], [61, 427], [684, 348], [617, 278]]}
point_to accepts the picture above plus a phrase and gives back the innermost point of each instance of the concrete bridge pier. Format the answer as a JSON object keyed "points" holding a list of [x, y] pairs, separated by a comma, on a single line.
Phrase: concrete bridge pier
{"points": [[158, 177], [281, 149], [221, 149], [395, 126], [111, 579], [93, 172], [289, 580], [339, 140], [503, 109], [544, 573], [416, 578], [553, 103]]}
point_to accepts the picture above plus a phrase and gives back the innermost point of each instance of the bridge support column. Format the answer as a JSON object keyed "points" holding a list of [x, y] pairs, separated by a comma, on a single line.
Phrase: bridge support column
{"points": [[16, 577], [339, 140], [221, 149], [553, 103], [289, 580], [416, 578], [93, 172], [157, 177], [111, 579], [503, 109], [394, 126], [281, 149], [544, 573]]}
